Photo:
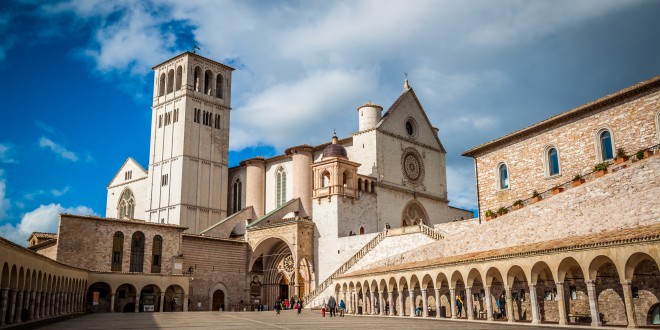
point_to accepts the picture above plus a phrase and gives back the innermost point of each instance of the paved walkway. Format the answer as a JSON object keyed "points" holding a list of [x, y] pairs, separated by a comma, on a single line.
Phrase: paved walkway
{"points": [[267, 320]]}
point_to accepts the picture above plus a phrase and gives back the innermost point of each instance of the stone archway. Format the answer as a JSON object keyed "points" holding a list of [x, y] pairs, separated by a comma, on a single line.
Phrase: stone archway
{"points": [[219, 297], [99, 297], [414, 214]]}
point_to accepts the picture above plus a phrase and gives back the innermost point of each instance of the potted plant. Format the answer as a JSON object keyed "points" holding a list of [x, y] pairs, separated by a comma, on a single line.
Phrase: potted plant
{"points": [[645, 153], [557, 190], [490, 215], [577, 180], [620, 156], [536, 196], [517, 205], [502, 211], [640, 154], [601, 169]]}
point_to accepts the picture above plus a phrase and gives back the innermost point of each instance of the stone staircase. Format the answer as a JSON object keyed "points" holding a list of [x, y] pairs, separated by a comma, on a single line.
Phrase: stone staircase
{"points": [[353, 260]]}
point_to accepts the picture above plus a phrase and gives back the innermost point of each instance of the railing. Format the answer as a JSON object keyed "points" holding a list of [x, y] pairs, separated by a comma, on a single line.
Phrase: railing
{"points": [[346, 266], [653, 150], [430, 232]]}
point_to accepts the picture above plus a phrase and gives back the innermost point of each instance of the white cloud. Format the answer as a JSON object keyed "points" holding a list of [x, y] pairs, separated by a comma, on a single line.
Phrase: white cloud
{"points": [[4, 202], [43, 219], [58, 149], [461, 191], [7, 152]]}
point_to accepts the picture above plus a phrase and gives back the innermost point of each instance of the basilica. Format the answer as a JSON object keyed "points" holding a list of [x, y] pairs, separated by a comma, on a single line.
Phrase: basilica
{"points": [[567, 230]]}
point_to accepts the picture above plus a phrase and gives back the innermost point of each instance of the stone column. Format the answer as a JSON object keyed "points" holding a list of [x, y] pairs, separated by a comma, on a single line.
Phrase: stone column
{"points": [[349, 302], [470, 305], [452, 302], [561, 303], [411, 294], [44, 303], [390, 301], [137, 303], [28, 300], [400, 299], [593, 303], [112, 303], [373, 303], [425, 305], [33, 304], [382, 302], [162, 301], [437, 303], [536, 318], [185, 303], [509, 305], [489, 304], [56, 304], [12, 306], [19, 306], [3, 303], [630, 307]]}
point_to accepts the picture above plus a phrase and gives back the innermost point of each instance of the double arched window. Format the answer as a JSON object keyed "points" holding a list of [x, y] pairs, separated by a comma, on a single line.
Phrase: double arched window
{"points": [[281, 186], [237, 192], [605, 145], [126, 205], [502, 176]]}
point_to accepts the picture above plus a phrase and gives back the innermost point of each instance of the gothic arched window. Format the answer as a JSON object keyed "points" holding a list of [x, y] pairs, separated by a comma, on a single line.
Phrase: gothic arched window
{"points": [[137, 252], [413, 215], [117, 250], [197, 79], [126, 205], [237, 194], [156, 254], [503, 176], [281, 186]]}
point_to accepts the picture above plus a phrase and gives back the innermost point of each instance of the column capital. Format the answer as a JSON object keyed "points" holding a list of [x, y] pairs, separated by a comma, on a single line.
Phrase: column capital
{"points": [[437, 289], [626, 282], [590, 282]]}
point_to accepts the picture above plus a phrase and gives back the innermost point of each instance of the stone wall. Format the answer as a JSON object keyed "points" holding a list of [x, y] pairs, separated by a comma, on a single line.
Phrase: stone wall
{"points": [[86, 242], [632, 124], [458, 214], [628, 196], [456, 227], [219, 264]]}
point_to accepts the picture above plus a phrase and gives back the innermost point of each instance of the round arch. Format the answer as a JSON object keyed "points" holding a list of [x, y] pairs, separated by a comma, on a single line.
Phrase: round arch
{"points": [[219, 297]]}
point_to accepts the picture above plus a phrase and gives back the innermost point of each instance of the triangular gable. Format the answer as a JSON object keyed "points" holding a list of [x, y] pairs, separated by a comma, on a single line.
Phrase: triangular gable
{"points": [[408, 96], [278, 213], [130, 164]]}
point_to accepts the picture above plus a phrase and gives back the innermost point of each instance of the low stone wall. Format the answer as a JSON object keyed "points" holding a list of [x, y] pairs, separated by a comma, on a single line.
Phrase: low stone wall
{"points": [[456, 227]]}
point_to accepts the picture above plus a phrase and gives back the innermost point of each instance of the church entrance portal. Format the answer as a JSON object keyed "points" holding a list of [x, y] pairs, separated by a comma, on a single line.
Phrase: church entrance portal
{"points": [[218, 300], [284, 289]]}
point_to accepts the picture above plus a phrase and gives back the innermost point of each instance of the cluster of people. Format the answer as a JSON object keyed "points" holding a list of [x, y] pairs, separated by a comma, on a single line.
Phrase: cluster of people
{"points": [[351, 233], [285, 303], [332, 306], [501, 306]]}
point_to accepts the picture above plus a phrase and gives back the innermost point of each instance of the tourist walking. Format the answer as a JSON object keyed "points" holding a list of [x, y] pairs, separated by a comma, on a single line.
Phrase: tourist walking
{"points": [[332, 304], [278, 306], [342, 306], [299, 305], [459, 305], [501, 306]]}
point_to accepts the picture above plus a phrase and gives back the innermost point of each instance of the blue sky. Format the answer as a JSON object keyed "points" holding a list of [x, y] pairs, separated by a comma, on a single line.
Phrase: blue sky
{"points": [[76, 80]]}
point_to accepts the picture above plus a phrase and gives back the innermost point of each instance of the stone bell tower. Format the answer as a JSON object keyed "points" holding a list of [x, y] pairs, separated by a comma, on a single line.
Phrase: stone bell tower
{"points": [[187, 183]]}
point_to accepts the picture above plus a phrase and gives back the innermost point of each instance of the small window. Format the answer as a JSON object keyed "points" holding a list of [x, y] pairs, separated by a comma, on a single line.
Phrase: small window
{"points": [[160, 121], [157, 252], [219, 87], [411, 128], [503, 177], [237, 194], [163, 180], [137, 252], [179, 77], [281, 186], [170, 81], [553, 162], [161, 85], [606, 148]]}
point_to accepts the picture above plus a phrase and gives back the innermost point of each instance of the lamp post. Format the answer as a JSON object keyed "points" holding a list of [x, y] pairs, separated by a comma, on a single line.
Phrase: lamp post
{"points": [[191, 270]]}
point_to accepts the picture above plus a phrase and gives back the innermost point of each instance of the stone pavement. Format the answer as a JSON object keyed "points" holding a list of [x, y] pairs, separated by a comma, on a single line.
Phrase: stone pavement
{"points": [[267, 320]]}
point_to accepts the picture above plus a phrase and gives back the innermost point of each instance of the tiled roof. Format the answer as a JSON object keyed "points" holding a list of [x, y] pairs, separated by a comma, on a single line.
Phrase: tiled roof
{"points": [[617, 237], [133, 221], [43, 244], [44, 235], [581, 110]]}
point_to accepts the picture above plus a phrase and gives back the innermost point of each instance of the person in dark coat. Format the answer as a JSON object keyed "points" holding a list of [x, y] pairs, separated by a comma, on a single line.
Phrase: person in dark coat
{"points": [[332, 304], [299, 303], [278, 306]]}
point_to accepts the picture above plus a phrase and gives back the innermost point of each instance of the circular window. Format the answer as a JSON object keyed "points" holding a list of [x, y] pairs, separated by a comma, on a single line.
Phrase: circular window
{"points": [[412, 166], [411, 127]]}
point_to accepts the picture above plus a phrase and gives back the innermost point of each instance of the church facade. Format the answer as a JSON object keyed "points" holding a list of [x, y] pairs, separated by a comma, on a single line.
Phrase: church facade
{"points": [[364, 218]]}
